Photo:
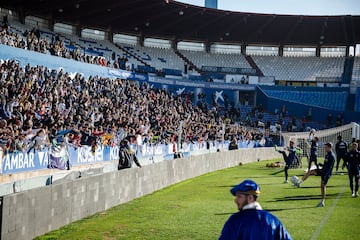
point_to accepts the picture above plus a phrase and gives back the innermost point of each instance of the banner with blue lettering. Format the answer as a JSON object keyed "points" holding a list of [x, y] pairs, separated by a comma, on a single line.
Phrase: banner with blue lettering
{"points": [[63, 157], [23, 161], [56, 158], [85, 155]]}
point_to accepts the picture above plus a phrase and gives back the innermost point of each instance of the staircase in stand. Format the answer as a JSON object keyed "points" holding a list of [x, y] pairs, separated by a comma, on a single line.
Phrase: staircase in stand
{"points": [[190, 63], [253, 64], [128, 52]]}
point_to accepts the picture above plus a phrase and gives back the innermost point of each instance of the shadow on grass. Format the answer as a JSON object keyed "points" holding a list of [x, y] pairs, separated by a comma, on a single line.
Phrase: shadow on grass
{"points": [[304, 198], [269, 210], [286, 209], [247, 177], [290, 186], [275, 173], [222, 214], [309, 187], [313, 186], [226, 186]]}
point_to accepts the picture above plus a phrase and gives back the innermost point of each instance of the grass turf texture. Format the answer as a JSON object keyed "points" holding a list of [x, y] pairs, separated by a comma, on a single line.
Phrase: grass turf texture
{"points": [[198, 208]]}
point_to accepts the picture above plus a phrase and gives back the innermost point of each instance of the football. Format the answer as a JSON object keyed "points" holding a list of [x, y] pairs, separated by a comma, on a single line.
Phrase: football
{"points": [[294, 180]]}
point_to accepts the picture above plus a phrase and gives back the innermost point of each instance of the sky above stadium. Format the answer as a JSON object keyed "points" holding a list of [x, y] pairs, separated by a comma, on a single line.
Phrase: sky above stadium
{"points": [[293, 7]]}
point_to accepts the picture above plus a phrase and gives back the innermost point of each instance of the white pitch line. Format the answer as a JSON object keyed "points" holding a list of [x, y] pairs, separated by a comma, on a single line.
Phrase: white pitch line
{"points": [[327, 216]]}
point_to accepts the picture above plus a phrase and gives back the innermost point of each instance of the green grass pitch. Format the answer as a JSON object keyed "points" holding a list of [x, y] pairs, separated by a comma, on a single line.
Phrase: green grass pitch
{"points": [[198, 208]]}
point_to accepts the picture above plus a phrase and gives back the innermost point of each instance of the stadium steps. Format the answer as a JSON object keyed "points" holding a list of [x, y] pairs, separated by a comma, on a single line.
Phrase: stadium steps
{"points": [[253, 64], [135, 57], [191, 64], [348, 69], [350, 102]]}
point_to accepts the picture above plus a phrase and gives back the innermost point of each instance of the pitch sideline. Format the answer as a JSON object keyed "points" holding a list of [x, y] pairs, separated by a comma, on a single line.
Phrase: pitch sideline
{"points": [[327, 216]]}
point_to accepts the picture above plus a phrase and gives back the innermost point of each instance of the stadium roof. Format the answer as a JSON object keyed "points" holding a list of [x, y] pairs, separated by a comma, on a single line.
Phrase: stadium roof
{"points": [[179, 21]]}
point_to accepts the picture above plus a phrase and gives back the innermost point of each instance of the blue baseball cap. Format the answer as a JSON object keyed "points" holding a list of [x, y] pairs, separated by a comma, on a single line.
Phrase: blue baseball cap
{"points": [[246, 187]]}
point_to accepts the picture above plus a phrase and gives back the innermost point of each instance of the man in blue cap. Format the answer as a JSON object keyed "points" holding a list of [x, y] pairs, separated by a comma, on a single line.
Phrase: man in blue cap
{"points": [[252, 222]]}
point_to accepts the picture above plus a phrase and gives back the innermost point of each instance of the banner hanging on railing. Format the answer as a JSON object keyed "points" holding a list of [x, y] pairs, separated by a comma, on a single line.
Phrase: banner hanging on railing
{"points": [[63, 157]]}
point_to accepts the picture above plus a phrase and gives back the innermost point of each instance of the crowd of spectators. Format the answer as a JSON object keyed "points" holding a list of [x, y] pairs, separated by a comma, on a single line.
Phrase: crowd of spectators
{"points": [[32, 40], [39, 106]]}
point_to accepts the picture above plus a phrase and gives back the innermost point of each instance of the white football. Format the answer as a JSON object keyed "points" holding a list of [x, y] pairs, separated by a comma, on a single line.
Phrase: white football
{"points": [[294, 180]]}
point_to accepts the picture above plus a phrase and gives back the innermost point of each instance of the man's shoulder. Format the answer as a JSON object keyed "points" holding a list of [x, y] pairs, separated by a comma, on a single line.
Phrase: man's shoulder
{"points": [[252, 211], [267, 213], [245, 216], [331, 156]]}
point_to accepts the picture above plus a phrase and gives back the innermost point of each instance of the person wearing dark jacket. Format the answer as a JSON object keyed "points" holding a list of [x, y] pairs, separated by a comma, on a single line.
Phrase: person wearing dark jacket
{"points": [[325, 172], [290, 158], [233, 144], [313, 153], [352, 161], [341, 151], [252, 222], [127, 156]]}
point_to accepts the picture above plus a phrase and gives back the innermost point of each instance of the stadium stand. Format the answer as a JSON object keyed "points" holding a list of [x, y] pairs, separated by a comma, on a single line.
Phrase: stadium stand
{"points": [[58, 104], [330, 100], [201, 58], [356, 69], [159, 58], [167, 60], [357, 100], [301, 68]]}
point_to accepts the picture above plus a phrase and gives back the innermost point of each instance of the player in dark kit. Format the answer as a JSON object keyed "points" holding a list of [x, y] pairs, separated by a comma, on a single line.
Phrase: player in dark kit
{"points": [[352, 160], [289, 159], [324, 172], [313, 152], [341, 150]]}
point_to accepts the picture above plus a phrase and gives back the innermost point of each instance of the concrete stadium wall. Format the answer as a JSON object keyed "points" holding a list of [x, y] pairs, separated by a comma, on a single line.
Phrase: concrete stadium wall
{"points": [[34, 212]]}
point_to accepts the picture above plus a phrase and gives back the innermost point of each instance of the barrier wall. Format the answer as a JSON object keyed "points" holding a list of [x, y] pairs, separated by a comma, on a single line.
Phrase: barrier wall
{"points": [[34, 212]]}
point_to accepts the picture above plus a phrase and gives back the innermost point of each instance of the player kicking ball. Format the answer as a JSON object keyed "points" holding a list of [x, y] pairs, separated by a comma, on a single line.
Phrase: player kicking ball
{"points": [[325, 173], [289, 158], [296, 181]]}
